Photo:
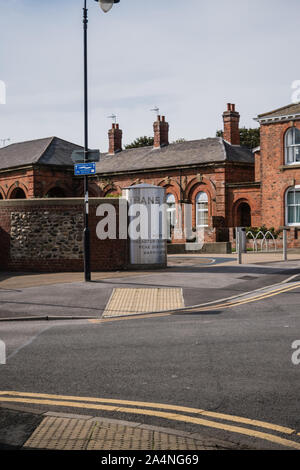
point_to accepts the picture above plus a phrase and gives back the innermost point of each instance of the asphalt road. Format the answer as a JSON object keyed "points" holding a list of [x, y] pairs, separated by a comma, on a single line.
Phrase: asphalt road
{"points": [[235, 361]]}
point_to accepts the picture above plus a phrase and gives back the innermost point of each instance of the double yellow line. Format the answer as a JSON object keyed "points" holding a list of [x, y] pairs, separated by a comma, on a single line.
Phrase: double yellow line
{"points": [[256, 298], [165, 411]]}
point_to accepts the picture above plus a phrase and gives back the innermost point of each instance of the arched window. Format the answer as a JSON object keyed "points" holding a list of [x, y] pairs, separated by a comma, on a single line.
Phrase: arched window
{"points": [[292, 146], [171, 210], [18, 193], [293, 206], [243, 215], [202, 210]]}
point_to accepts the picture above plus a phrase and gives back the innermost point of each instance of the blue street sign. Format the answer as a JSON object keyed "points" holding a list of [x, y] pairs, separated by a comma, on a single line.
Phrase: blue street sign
{"points": [[85, 169]]}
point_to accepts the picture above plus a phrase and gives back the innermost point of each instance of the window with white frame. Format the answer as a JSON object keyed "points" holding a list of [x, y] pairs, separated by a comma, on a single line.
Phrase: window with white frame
{"points": [[293, 206], [171, 210], [202, 210], [292, 146]]}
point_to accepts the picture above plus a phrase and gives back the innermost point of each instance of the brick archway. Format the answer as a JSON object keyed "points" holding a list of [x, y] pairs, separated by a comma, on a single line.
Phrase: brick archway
{"points": [[18, 193], [242, 214]]}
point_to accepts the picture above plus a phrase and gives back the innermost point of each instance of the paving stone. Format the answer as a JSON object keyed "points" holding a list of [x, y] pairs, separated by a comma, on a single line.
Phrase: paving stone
{"points": [[61, 433], [136, 301]]}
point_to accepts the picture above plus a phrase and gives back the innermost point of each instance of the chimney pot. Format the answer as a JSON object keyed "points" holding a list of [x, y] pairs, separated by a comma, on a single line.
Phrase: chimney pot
{"points": [[231, 120], [115, 139], [161, 132]]}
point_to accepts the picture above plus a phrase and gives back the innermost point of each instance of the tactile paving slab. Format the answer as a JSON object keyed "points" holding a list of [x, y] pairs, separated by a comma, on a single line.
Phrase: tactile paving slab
{"points": [[61, 434], [124, 302], [75, 434]]}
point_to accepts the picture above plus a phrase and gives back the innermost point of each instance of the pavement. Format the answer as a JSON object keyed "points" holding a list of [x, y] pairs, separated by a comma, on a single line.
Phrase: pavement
{"points": [[196, 279]]}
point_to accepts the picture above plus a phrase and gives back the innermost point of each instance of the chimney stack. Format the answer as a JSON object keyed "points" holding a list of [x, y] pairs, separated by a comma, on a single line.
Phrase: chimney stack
{"points": [[115, 139], [231, 120], [161, 132]]}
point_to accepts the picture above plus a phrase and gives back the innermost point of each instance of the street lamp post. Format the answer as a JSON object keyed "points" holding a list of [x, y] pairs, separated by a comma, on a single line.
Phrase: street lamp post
{"points": [[106, 5]]}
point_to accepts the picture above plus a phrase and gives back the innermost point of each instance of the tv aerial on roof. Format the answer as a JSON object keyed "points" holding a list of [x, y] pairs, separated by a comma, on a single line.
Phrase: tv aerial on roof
{"points": [[156, 110], [113, 117]]}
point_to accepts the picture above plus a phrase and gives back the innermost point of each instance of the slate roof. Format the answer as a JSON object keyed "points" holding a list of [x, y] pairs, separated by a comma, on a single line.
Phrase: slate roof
{"points": [[49, 151], [290, 109], [55, 151], [194, 152]]}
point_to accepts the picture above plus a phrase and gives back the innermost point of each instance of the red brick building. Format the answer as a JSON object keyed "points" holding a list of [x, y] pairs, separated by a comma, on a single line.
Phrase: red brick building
{"points": [[226, 184], [38, 168]]}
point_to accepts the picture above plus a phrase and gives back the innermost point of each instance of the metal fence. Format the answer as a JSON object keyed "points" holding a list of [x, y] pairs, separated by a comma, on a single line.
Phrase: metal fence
{"points": [[261, 242]]}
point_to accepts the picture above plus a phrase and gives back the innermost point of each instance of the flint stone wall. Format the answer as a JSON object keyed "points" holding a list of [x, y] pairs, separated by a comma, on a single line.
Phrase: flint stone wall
{"points": [[43, 234], [46, 235]]}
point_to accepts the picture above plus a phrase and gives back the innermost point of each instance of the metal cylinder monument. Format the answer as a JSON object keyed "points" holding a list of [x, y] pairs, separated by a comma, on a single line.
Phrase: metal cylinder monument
{"points": [[147, 226]]}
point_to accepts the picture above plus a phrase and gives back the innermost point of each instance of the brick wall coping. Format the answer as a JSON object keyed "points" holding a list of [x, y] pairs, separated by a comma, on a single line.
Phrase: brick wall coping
{"points": [[55, 201]]}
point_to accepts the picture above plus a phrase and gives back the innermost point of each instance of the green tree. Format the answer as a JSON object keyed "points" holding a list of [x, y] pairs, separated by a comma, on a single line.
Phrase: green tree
{"points": [[143, 141], [249, 137]]}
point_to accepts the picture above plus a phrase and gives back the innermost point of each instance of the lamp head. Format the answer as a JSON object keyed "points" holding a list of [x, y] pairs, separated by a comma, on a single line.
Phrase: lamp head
{"points": [[106, 5]]}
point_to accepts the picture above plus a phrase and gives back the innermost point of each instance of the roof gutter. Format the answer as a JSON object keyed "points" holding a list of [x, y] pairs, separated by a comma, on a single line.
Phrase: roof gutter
{"points": [[274, 119], [171, 168], [35, 166]]}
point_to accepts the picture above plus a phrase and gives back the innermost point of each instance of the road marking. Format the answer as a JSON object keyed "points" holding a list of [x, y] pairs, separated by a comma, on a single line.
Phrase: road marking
{"points": [[235, 297], [27, 343], [252, 299], [289, 279], [260, 296], [160, 414], [185, 409]]}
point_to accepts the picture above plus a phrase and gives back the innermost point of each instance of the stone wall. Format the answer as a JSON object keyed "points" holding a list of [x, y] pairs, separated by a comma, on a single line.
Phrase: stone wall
{"points": [[46, 235]]}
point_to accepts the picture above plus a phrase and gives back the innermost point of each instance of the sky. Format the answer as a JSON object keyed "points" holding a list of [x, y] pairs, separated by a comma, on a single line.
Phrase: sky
{"points": [[188, 57]]}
